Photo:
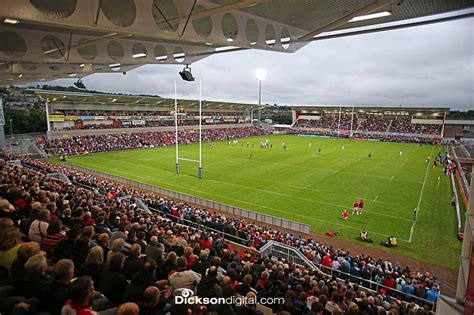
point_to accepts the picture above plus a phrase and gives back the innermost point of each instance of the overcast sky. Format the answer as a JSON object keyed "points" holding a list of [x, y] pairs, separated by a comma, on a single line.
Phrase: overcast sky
{"points": [[429, 65]]}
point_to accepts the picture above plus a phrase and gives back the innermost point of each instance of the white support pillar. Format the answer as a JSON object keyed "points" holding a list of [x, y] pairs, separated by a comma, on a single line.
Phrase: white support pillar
{"points": [[176, 126], [200, 130], [47, 116], [352, 121]]}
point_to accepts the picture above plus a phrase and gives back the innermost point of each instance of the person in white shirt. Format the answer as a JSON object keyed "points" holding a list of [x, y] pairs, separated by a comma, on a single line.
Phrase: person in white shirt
{"points": [[183, 278], [39, 227]]}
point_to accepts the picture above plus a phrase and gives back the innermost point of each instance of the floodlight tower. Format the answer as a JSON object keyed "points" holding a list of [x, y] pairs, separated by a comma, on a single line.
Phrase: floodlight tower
{"points": [[260, 75]]}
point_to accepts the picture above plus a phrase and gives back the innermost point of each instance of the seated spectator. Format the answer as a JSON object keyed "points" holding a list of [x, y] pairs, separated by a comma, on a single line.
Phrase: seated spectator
{"points": [[112, 283], [209, 286], [10, 242], [245, 287], [103, 242], [140, 281], [151, 301], [81, 292], [60, 287], [168, 266], [52, 238], [35, 281], [133, 263], [203, 263], [128, 309], [25, 251], [183, 278], [118, 246], [39, 227], [154, 250], [94, 263]]}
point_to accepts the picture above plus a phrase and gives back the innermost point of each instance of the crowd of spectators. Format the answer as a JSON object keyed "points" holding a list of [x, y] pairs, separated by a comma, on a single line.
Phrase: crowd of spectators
{"points": [[404, 125], [98, 143], [370, 124], [374, 123], [126, 254]]}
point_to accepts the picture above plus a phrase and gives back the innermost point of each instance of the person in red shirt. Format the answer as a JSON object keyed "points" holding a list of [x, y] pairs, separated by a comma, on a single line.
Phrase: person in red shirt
{"points": [[345, 215], [389, 281], [326, 262], [355, 207], [361, 206]]}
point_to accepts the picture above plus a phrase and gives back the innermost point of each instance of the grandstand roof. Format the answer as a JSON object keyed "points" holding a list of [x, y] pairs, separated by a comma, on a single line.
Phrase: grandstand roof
{"points": [[45, 40], [370, 109], [74, 98]]}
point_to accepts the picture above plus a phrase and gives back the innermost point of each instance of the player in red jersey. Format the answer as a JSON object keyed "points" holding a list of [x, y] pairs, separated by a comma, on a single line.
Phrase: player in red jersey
{"points": [[361, 206], [355, 207], [345, 215]]}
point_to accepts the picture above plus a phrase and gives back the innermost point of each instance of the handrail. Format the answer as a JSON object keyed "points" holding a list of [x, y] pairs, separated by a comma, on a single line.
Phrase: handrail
{"points": [[269, 247], [367, 284]]}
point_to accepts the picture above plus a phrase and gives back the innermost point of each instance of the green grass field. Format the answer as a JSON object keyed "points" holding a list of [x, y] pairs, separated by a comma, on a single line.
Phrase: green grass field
{"points": [[301, 185]]}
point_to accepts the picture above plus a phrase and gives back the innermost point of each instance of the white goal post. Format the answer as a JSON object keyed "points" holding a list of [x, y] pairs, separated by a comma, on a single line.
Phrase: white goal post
{"points": [[176, 132]]}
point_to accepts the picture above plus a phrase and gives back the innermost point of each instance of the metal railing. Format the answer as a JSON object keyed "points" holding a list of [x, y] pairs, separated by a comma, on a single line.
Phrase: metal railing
{"points": [[288, 253], [293, 255], [236, 212]]}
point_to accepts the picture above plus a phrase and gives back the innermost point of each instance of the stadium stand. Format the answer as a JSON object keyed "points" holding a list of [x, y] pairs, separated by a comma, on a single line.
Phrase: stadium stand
{"points": [[100, 226], [388, 124]]}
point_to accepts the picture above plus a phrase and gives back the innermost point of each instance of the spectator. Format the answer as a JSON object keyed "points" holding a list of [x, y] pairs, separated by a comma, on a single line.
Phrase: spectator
{"points": [[94, 263], [154, 250], [112, 283], [52, 238], [183, 278], [81, 293], [39, 227], [133, 263], [25, 251], [59, 288], [10, 242]]}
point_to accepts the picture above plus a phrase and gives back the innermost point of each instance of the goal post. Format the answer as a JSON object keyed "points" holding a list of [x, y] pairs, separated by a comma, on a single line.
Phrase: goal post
{"points": [[200, 170]]}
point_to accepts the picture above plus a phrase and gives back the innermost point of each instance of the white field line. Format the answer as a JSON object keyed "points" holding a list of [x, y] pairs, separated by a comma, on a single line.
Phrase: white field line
{"points": [[249, 203], [376, 198], [263, 190], [391, 178], [419, 199]]}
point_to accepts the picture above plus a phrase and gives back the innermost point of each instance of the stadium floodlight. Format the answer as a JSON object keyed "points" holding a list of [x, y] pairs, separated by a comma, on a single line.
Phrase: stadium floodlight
{"points": [[370, 16], [186, 74], [261, 74], [79, 84]]}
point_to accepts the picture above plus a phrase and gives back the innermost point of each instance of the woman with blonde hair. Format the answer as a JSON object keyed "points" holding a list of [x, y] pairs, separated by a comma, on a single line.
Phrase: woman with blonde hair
{"points": [[10, 241], [190, 257], [94, 263]]}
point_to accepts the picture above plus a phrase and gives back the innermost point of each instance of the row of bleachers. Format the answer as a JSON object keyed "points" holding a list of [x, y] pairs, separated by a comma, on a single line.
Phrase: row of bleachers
{"points": [[401, 124], [107, 142]]}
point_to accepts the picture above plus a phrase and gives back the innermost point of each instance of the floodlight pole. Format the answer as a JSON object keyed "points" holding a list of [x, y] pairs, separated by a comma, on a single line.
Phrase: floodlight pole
{"points": [[200, 130], [176, 126], [259, 98]]}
